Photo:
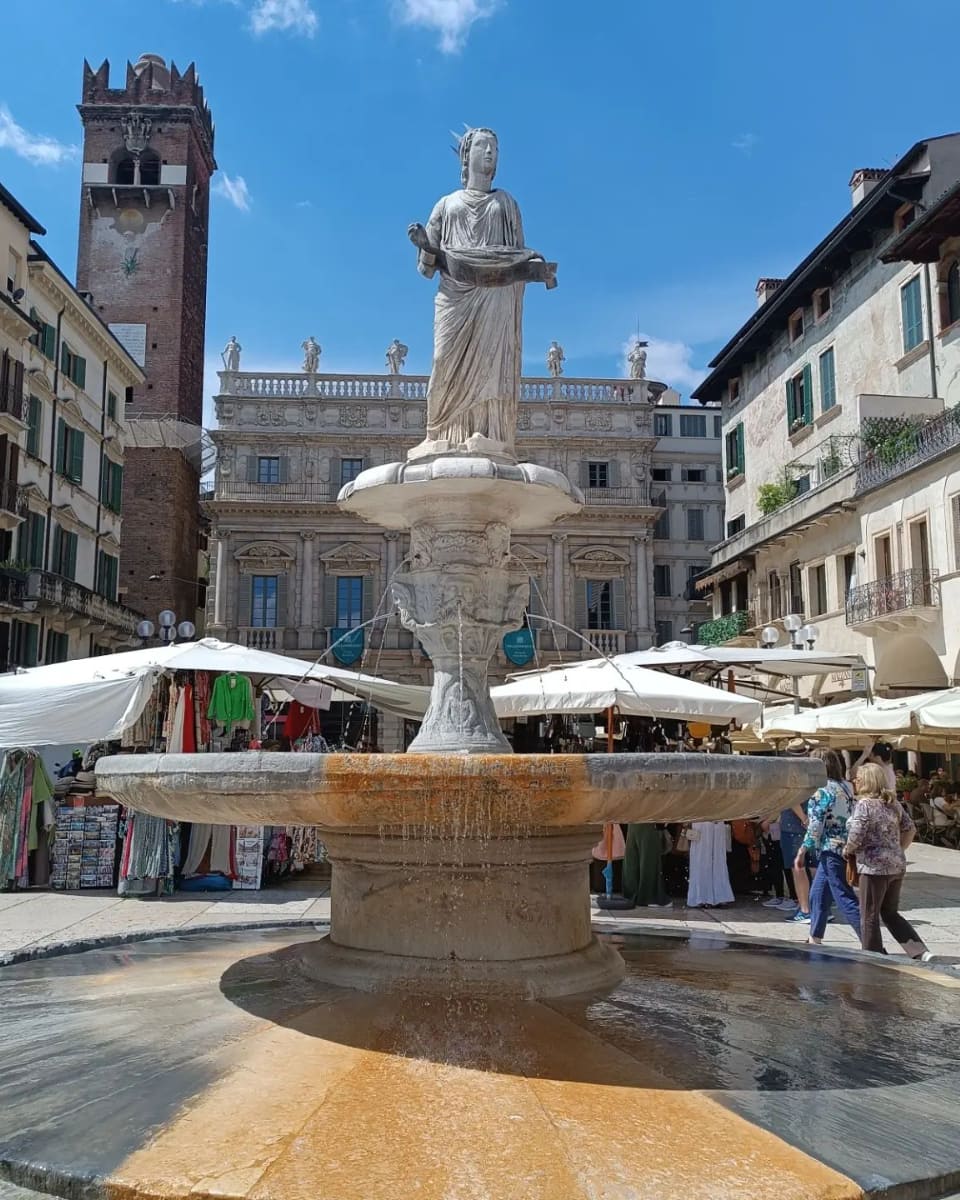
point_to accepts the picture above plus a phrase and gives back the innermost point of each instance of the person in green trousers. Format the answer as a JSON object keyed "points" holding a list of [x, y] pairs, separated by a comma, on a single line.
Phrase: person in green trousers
{"points": [[643, 867]]}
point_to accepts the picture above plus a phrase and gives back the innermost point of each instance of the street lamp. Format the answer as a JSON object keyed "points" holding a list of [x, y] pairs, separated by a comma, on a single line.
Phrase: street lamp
{"points": [[769, 637], [168, 630]]}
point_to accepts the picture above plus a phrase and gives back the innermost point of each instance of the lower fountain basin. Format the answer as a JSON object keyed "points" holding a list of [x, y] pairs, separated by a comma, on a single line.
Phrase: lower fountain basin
{"points": [[456, 873]]}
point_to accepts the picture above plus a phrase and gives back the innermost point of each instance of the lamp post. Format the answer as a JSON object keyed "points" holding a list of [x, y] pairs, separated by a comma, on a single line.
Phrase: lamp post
{"points": [[800, 635], [167, 628]]}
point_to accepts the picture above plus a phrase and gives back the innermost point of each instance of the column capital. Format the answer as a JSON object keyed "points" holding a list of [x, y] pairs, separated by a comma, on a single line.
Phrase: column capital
{"points": [[559, 537], [308, 534], [391, 535], [642, 538]]}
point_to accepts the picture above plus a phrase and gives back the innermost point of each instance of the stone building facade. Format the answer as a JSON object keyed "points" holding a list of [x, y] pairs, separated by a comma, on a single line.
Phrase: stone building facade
{"points": [[144, 217], [64, 383], [290, 571], [842, 453]]}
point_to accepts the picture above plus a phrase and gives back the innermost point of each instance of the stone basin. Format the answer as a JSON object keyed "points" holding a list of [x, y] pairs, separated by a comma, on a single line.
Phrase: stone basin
{"points": [[454, 871]]}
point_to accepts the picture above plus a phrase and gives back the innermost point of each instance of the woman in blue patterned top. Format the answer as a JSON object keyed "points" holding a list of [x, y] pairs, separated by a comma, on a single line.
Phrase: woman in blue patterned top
{"points": [[826, 836]]}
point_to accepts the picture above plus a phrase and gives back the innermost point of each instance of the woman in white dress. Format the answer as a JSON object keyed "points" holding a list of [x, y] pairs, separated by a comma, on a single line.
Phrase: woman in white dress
{"points": [[709, 879]]}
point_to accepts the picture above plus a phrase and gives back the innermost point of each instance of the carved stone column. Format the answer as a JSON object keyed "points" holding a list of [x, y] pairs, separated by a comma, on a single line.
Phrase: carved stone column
{"points": [[220, 584], [558, 588], [459, 598], [305, 556], [642, 583]]}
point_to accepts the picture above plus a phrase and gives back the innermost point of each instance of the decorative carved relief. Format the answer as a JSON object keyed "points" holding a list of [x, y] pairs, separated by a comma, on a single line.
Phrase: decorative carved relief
{"points": [[349, 554], [599, 562], [523, 418], [430, 546], [264, 556], [599, 420], [353, 416], [136, 131]]}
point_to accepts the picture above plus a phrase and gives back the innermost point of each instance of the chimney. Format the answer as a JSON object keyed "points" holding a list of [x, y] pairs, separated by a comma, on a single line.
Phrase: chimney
{"points": [[863, 181], [765, 289]]}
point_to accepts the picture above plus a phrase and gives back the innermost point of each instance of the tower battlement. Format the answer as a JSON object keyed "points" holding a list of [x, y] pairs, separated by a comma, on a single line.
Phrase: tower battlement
{"points": [[150, 82]]}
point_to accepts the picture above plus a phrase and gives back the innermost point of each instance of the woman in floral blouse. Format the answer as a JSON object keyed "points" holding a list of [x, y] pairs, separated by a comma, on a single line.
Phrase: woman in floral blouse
{"points": [[878, 833], [826, 835]]}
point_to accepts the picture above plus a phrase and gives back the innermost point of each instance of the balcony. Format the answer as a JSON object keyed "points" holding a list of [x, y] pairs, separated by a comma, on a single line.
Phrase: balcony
{"points": [[13, 504], [605, 642], [604, 497], [908, 600], [240, 492], [908, 445], [261, 639], [12, 587], [13, 404], [725, 629], [83, 608]]}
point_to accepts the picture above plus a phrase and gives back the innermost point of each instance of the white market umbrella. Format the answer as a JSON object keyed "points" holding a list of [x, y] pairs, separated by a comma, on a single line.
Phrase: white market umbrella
{"points": [[590, 687], [778, 661]]}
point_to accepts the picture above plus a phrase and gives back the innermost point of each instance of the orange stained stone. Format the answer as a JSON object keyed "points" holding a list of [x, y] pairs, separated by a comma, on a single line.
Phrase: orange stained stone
{"points": [[397, 1096]]}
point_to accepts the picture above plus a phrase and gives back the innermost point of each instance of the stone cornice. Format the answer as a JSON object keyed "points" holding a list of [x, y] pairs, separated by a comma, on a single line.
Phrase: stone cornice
{"points": [[48, 281]]}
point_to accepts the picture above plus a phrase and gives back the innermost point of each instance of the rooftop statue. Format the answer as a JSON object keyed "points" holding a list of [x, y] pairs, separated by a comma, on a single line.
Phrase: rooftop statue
{"points": [[474, 238]]}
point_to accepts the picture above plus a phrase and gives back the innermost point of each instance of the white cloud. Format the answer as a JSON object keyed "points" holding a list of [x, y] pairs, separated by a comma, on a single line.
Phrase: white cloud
{"points": [[745, 142], [235, 190], [668, 362], [284, 16], [451, 19], [304, 204], [36, 148]]}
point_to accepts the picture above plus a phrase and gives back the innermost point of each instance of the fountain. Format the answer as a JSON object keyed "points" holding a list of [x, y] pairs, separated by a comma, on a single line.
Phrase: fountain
{"points": [[461, 1032], [457, 864]]}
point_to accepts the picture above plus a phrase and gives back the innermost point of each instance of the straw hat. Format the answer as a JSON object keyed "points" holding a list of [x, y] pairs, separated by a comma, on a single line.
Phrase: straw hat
{"points": [[799, 746]]}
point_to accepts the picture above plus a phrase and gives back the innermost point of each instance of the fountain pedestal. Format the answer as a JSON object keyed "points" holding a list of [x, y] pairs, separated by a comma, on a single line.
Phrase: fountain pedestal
{"points": [[460, 592]]}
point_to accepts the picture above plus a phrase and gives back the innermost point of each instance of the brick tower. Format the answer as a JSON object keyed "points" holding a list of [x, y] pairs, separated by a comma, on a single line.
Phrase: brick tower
{"points": [[144, 220]]}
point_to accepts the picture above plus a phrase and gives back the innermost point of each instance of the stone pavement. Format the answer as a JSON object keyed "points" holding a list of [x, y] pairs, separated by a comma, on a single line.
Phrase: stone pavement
{"points": [[931, 899]]}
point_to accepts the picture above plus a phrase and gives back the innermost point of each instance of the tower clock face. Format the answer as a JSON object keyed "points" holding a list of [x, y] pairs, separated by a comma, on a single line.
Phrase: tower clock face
{"points": [[130, 220]]}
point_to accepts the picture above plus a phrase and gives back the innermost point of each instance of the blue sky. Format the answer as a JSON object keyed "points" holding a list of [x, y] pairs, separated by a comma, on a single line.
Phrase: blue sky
{"points": [[666, 155]]}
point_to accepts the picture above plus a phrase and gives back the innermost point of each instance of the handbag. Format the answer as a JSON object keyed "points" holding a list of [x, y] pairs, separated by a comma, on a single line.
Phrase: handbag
{"points": [[853, 874]]}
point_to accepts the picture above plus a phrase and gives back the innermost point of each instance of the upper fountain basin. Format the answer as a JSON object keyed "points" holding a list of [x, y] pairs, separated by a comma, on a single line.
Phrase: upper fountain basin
{"points": [[441, 792], [521, 495]]}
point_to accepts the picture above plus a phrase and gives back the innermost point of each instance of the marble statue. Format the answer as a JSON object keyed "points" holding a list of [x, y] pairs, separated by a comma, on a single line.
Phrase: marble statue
{"points": [[555, 359], [474, 238], [231, 355], [311, 355], [396, 356], [637, 358]]}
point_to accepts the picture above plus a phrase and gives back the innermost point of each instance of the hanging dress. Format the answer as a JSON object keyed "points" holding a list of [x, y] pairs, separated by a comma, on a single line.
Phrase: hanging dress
{"points": [[709, 879]]}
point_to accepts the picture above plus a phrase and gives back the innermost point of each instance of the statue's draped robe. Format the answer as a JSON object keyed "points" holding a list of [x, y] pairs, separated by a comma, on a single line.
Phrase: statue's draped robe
{"points": [[475, 381]]}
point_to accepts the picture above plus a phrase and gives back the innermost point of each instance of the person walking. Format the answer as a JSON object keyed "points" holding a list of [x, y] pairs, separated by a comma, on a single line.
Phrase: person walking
{"points": [[827, 812], [709, 879], [878, 832], [643, 866]]}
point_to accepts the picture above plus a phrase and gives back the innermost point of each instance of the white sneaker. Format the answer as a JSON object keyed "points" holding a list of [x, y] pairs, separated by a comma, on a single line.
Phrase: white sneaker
{"points": [[928, 956]]}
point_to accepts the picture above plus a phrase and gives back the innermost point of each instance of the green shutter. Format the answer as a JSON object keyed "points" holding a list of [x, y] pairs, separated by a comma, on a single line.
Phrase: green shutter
{"points": [[49, 346], [34, 415], [366, 598], [114, 576], [807, 395], [37, 536], [98, 573], [251, 468], [31, 644], [65, 359], [70, 546], [741, 457], [618, 605], [55, 554], [284, 469], [789, 403], [80, 371], [580, 604], [613, 473], [60, 465], [329, 616], [244, 598], [35, 338], [283, 600], [76, 456], [116, 487]]}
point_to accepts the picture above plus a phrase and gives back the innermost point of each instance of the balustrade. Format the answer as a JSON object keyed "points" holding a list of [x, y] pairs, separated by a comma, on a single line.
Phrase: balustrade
{"points": [[607, 641], [272, 493], [57, 592], [261, 638]]}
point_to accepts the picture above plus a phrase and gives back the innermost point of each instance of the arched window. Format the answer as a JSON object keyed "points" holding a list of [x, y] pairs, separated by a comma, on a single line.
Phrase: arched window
{"points": [[953, 292], [149, 168], [125, 170]]}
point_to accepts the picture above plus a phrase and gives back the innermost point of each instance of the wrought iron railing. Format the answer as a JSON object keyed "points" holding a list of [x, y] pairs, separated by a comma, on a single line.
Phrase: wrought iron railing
{"points": [[274, 493], [616, 495], [894, 594], [914, 444], [13, 498]]}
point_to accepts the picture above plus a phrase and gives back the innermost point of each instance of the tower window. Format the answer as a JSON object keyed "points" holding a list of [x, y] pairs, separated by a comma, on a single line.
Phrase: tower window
{"points": [[125, 170], [149, 169]]}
